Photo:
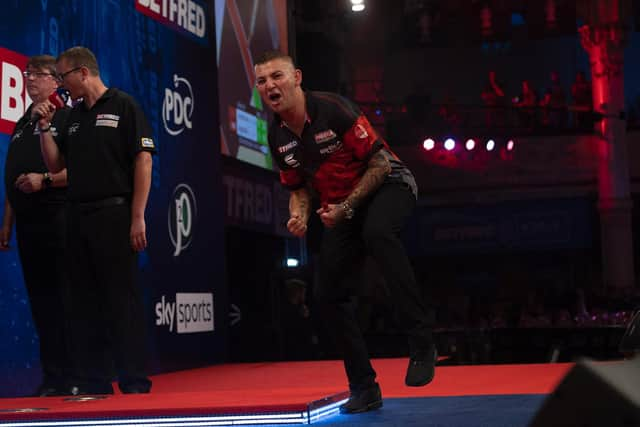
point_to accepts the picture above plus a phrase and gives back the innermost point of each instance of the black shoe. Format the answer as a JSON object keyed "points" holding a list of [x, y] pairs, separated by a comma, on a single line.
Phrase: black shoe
{"points": [[91, 389], [363, 400], [421, 367]]}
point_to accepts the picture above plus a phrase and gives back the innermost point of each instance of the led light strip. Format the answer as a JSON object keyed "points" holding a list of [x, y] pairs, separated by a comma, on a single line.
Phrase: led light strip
{"points": [[325, 411], [229, 420], [306, 417]]}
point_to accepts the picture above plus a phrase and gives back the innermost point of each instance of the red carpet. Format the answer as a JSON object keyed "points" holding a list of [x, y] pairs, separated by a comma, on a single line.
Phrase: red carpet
{"points": [[291, 386]]}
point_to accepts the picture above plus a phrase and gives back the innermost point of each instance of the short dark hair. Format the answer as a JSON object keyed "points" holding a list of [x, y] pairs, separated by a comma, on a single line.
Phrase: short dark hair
{"points": [[80, 56], [43, 62], [271, 55]]}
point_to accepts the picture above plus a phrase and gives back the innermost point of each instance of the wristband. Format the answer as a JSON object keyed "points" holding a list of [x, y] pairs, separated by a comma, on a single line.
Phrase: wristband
{"points": [[45, 129]]}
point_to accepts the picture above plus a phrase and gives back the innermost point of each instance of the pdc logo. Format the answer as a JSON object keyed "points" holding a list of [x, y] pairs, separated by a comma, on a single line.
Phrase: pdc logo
{"points": [[182, 216], [177, 107]]}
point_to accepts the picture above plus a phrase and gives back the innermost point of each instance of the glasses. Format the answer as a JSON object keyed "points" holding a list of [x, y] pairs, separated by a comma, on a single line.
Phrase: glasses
{"points": [[61, 76], [36, 74]]}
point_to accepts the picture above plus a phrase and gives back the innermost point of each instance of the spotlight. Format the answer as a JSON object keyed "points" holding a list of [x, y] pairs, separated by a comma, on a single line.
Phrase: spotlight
{"points": [[470, 144], [357, 7], [491, 144], [292, 262], [428, 144], [357, 1], [510, 145], [449, 144]]}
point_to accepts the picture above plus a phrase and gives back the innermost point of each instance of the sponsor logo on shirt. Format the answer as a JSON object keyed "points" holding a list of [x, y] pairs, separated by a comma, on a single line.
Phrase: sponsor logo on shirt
{"points": [[73, 128], [147, 143], [16, 135], [332, 148], [108, 117], [360, 132], [288, 147], [324, 136], [291, 160], [108, 120]]}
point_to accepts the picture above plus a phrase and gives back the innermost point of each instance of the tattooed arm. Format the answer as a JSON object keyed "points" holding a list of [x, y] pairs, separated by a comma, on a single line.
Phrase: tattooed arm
{"points": [[377, 170], [299, 210]]}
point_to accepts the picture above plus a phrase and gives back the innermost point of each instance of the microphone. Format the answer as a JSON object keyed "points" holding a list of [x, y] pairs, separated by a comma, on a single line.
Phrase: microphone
{"points": [[58, 98]]}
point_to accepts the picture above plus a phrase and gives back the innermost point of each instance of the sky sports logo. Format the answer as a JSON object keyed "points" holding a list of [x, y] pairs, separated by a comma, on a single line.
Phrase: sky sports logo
{"points": [[187, 17], [190, 313], [13, 97]]}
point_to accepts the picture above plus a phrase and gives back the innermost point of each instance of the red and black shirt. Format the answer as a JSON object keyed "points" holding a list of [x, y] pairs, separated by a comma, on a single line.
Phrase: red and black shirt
{"points": [[334, 150]]}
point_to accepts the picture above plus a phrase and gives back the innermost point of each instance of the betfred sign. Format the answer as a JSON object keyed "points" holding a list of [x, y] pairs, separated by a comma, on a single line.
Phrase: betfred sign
{"points": [[184, 16], [13, 98]]}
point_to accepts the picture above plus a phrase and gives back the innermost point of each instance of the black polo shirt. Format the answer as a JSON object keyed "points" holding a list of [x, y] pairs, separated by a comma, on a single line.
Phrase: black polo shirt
{"points": [[24, 156], [333, 152], [100, 145]]}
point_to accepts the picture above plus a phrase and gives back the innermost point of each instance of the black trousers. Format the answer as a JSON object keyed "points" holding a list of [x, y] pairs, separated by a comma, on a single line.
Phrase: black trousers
{"points": [[41, 244], [108, 334], [374, 231]]}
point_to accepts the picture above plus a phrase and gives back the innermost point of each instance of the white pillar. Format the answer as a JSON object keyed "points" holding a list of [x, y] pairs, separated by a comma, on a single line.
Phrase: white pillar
{"points": [[604, 39]]}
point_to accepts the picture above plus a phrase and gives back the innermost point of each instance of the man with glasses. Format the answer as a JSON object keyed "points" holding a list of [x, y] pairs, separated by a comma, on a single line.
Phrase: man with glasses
{"points": [[107, 149], [35, 200]]}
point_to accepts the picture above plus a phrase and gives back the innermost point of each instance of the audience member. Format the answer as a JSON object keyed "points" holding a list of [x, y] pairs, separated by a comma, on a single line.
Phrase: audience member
{"points": [[494, 101], [554, 103], [526, 103]]}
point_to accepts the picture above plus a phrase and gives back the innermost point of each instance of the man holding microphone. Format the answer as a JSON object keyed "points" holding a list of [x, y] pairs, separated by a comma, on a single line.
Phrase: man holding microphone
{"points": [[107, 148]]}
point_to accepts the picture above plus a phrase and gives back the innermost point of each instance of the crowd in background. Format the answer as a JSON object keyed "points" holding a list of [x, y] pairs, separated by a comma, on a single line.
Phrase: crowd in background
{"points": [[555, 108], [496, 322], [529, 303], [551, 110]]}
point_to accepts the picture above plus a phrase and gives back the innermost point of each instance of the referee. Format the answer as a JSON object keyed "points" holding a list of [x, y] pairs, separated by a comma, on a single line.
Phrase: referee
{"points": [[107, 148], [35, 203]]}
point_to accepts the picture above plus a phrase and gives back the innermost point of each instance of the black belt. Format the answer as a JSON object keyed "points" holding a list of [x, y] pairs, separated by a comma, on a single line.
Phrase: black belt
{"points": [[99, 204]]}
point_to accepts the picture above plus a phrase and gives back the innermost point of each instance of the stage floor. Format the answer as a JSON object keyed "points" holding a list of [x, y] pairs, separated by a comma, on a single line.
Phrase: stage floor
{"points": [[270, 393]]}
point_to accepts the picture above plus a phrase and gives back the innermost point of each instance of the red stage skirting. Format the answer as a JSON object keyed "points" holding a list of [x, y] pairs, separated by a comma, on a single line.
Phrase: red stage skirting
{"points": [[283, 387]]}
